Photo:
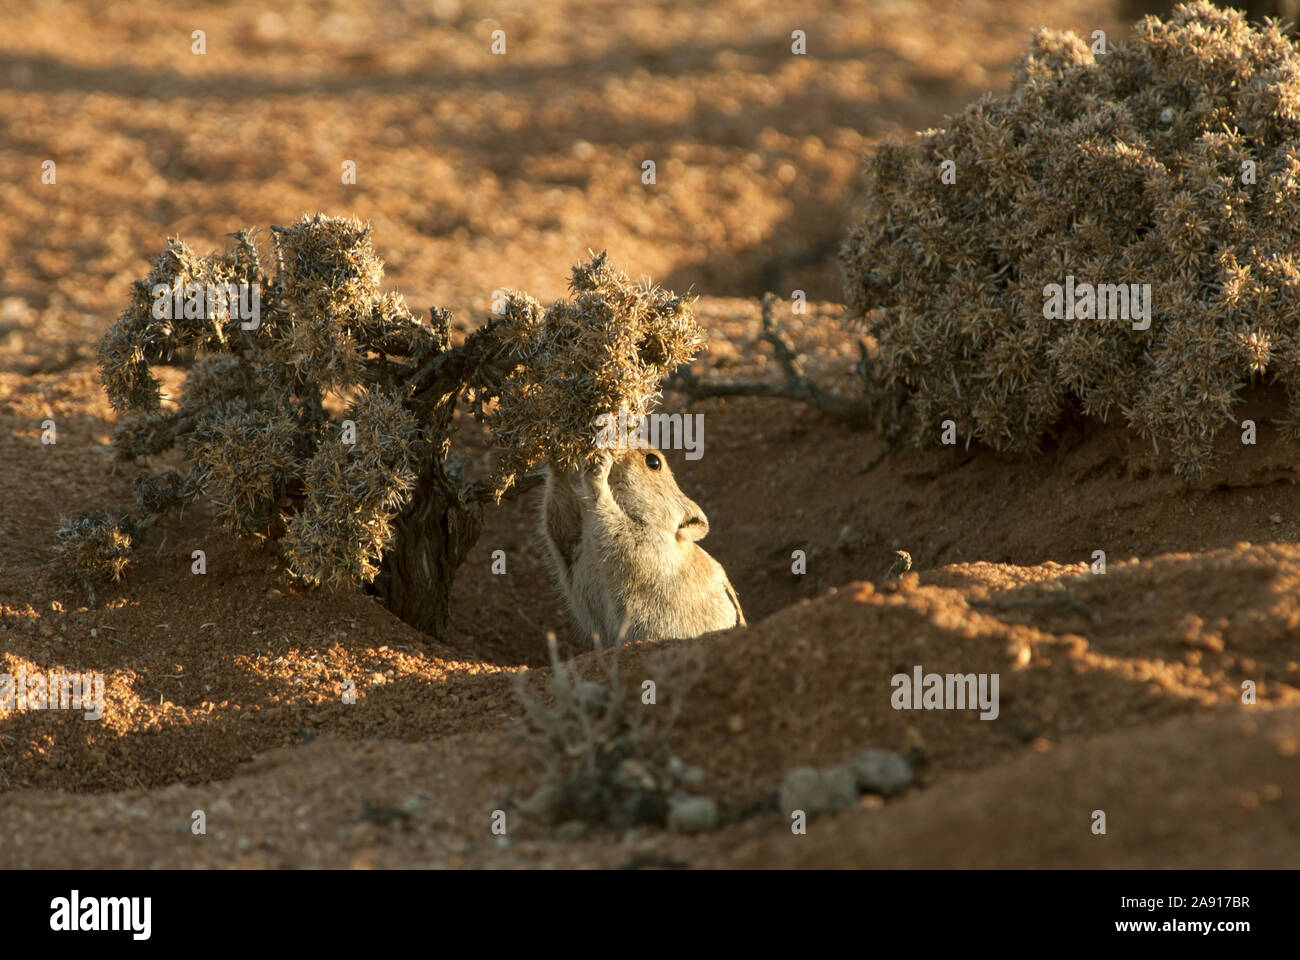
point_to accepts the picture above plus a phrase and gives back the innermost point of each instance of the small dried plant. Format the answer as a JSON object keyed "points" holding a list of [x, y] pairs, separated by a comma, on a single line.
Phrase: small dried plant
{"points": [[604, 752]]}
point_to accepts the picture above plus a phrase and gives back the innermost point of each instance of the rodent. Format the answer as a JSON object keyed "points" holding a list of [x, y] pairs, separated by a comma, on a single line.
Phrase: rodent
{"points": [[622, 544]]}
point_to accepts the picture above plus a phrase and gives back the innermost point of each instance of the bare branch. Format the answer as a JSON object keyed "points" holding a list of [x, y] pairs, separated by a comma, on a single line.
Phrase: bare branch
{"points": [[797, 385]]}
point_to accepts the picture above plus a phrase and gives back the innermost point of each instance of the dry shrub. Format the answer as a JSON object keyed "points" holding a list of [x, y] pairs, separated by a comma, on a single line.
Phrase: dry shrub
{"points": [[251, 416], [1125, 168]]}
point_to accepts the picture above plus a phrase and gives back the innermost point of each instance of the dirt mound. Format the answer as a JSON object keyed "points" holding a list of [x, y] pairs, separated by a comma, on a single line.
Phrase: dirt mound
{"points": [[227, 686], [1205, 792]]}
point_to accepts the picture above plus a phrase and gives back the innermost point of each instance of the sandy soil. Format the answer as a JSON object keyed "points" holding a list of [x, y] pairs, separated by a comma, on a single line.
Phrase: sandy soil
{"points": [[1119, 691]]}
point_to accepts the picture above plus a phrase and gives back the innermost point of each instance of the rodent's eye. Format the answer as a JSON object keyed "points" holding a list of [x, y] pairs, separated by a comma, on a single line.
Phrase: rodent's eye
{"points": [[652, 461]]}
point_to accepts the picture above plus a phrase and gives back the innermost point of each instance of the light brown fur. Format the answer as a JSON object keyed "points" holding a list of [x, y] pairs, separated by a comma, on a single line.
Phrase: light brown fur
{"points": [[621, 537]]}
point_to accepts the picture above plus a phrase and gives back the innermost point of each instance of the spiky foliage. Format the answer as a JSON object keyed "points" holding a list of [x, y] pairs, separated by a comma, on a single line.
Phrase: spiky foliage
{"points": [[97, 545], [1125, 167], [330, 274], [251, 419], [610, 346], [355, 491], [139, 338], [341, 498]]}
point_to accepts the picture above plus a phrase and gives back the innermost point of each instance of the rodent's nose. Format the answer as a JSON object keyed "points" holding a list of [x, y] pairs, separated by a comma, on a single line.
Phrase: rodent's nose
{"points": [[693, 527]]}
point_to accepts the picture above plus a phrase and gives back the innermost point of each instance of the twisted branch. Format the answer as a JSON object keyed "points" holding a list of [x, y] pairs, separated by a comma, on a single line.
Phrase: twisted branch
{"points": [[796, 386]]}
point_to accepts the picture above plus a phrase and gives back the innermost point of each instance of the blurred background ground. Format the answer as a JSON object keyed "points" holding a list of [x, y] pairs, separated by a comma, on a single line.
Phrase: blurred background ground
{"points": [[480, 172]]}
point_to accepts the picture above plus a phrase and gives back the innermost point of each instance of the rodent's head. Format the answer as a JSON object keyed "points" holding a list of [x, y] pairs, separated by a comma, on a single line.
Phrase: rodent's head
{"points": [[643, 485]]}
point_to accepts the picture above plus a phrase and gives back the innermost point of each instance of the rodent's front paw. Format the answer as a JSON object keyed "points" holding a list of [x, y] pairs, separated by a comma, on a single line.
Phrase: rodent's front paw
{"points": [[595, 478]]}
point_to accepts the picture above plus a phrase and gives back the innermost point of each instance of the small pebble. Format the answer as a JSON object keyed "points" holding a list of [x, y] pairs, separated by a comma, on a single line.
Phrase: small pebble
{"points": [[882, 772], [689, 814], [841, 786]]}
